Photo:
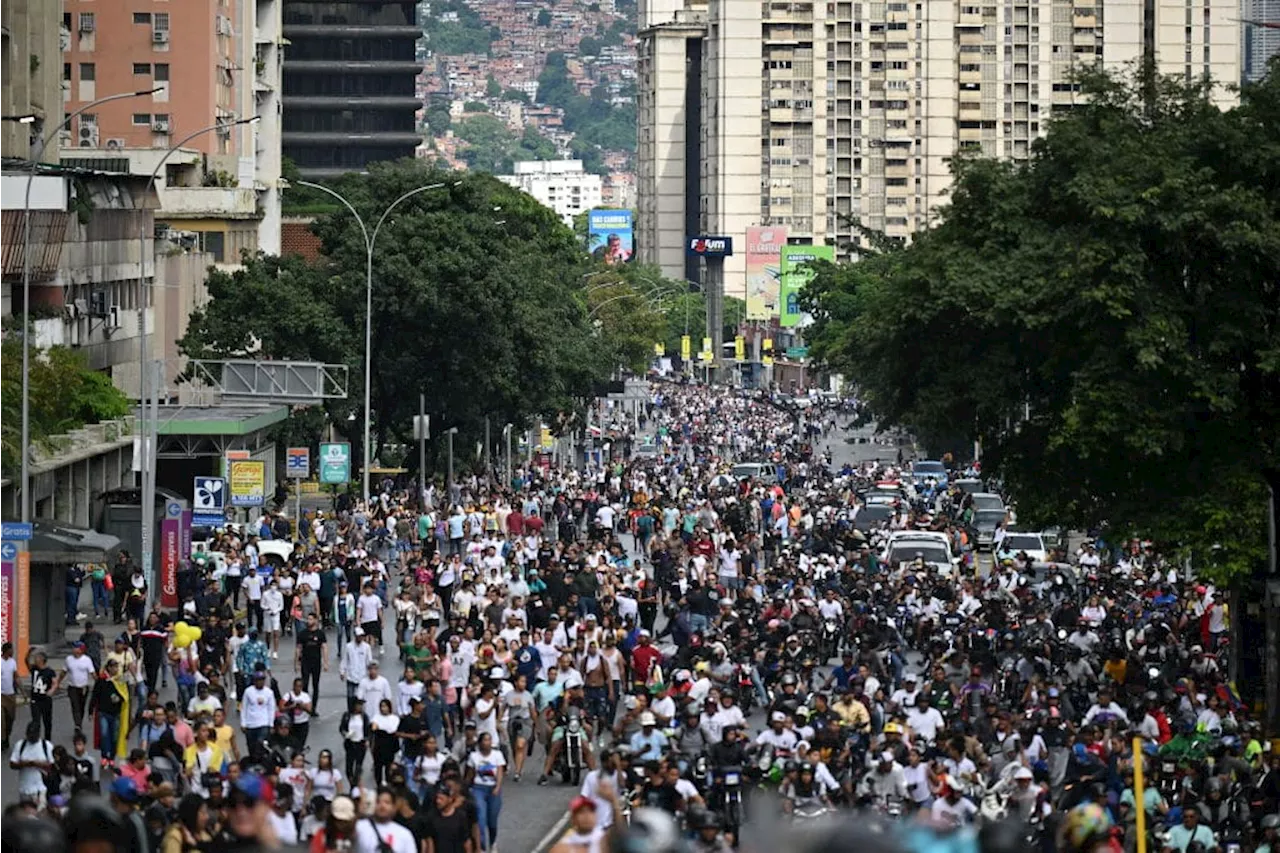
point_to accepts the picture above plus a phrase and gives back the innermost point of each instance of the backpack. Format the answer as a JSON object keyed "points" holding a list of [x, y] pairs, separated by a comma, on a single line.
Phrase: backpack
{"points": [[383, 846]]}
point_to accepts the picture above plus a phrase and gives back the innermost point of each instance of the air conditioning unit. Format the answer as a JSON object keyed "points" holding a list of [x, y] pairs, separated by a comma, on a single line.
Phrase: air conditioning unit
{"points": [[81, 307], [88, 136], [71, 311], [113, 318], [99, 303], [160, 36], [64, 139], [115, 144], [160, 125]]}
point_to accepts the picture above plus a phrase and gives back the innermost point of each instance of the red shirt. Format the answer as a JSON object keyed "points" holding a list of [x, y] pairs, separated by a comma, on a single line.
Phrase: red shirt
{"points": [[515, 522], [643, 659], [534, 523]]}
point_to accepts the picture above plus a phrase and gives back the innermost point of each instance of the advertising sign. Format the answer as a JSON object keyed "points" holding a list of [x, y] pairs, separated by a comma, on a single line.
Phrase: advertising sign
{"points": [[335, 463], [740, 348], [248, 481], [686, 348], [659, 349], [170, 552], [184, 529], [610, 237], [297, 463], [764, 248], [209, 501], [795, 275], [711, 247], [8, 566]]}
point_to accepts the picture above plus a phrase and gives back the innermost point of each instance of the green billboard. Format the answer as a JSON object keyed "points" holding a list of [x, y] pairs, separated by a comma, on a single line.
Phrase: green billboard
{"points": [[794, 275]]}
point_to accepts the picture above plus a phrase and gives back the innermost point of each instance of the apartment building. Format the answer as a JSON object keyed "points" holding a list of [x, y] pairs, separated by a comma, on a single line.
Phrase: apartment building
{"points": [[1260, 42], [863, 104], [349, 84], [212, 62], [29, 71], [562, 185]]}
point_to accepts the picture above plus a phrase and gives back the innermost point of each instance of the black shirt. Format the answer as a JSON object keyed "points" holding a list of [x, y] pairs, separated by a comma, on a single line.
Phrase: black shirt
{"points": [[411, 725], [450, 833], [311, 643], [42, 681], [664, 797]]}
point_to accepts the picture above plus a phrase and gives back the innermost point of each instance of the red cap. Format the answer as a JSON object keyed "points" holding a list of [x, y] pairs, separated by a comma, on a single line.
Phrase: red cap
{"points": [[582, 803]]}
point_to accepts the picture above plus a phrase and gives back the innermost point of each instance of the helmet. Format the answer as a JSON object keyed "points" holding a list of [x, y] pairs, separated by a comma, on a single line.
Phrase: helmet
{"points": [[651, 830], [702, 666], [701, 818], [791, 766], [1086, 824], [892, 729], [790, 679], [806, 767], [1271, 821]]}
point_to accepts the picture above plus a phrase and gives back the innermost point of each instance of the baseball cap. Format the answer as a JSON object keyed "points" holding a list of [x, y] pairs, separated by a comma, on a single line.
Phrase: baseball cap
{"points": [[124, 789], [886, 757], [648, 719], [581, 802], [1023, 773], [359, 632], [343, 808], [778, 717]]}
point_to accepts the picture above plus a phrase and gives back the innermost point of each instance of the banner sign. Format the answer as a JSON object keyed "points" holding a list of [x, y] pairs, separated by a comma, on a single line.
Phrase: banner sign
{"points": [[8, 568], [795, 274], [209, 502], [740, 348], [610, 236], [686, 348], [297, 464], [248, 481], [764, 249]]}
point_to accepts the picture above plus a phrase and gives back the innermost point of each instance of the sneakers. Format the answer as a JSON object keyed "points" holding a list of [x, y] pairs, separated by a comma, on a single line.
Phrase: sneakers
{"points": [[543, 780], [515, 776]]}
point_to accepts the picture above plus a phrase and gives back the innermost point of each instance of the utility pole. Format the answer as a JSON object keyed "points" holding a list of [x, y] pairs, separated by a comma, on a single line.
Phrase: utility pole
{"points": [[506, 430], [451, 432], [422, 448], [488, 465]]}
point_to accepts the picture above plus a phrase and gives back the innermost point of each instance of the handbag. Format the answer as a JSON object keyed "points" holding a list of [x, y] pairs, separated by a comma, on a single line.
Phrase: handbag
{"points": [[109, 583]]}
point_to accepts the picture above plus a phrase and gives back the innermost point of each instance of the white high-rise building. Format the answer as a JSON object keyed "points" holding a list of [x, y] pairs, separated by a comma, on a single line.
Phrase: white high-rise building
{"points": [[862, 104], [1260, 43], [562, 185]]}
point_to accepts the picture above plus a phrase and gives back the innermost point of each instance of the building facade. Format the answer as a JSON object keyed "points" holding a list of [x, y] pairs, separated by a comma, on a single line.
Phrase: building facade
{"points": [[561, 185], [349, 84], [863, 104], [1261, 43], [29, 75], [212, 62]]}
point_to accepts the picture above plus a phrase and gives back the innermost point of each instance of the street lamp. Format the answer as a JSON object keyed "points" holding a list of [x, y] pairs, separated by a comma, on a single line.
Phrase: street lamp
{"points": [[369, 240], [506, 434], [451, 432], [26, 283], [149, 426]]}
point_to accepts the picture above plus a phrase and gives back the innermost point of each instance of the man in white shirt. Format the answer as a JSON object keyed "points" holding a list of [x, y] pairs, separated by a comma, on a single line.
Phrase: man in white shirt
{"points": [[830, 607], [925, 721], [8, 690], [376, 834], [78, 674], [374, 688], [369, 616], [354, 663], [32, 758], [257, 710]]}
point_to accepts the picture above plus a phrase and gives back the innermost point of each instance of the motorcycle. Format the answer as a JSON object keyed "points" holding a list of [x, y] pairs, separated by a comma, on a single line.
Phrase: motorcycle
{"points": [[572, 759], [726, 792], [809, 809], [829, 640]]}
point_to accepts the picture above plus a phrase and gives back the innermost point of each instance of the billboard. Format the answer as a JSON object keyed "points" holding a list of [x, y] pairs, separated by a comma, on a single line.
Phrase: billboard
{"points": [[794, 276], [610, 237], [764, 246], [710, 247]]}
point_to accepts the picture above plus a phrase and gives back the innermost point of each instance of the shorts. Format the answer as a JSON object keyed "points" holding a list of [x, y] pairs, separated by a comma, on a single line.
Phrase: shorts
{"points": [[734, 583], [373, 629], [273, 623]]}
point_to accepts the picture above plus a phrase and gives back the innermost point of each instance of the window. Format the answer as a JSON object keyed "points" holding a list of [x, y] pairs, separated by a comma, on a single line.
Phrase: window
{"points": [[213, 242], [66, 71], [142, 17], [162, 72], [142, 68], [142, 118], [88, 72], [160, 118], [88, 23], [160, 22]]}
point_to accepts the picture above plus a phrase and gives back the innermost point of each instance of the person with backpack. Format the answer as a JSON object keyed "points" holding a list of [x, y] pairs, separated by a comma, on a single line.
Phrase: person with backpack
{"points": [[32, 757], [354, 728], [381, 833]]}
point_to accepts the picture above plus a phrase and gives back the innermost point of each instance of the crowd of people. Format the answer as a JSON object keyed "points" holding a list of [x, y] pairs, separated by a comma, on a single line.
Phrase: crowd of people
{"points": [[729, 626]]}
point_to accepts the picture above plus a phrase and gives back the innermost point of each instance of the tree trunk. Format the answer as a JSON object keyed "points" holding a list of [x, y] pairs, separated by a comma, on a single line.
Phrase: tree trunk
{"points": [[1271, 604]]}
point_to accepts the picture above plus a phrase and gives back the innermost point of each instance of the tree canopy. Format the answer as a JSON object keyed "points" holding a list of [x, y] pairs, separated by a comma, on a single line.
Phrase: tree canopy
{"points": [[476, 302], [1104, 317]]}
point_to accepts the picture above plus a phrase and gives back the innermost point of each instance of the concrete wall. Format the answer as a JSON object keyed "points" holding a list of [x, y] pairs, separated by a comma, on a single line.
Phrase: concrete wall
{"points": [[67, 480], [180, 289], [32, 73]]}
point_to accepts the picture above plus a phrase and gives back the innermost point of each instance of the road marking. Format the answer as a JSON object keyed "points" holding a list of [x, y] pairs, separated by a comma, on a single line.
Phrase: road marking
{"points": [[553, 835]]}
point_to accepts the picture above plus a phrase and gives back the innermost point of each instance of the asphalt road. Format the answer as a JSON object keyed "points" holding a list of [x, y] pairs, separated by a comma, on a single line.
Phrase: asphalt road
{"points": [[529, 812]]}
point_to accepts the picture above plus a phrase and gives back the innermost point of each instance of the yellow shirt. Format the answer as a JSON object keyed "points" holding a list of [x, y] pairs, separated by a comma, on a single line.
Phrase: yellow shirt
{"points": [[128, 662], [225, 739]]}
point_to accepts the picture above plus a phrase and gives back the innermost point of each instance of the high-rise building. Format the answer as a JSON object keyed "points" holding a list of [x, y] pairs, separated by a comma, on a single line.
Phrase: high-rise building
{"points": [[562, 185], [32, 95], [349, 84], [861, 105], [212, 62], [1260, 42]]}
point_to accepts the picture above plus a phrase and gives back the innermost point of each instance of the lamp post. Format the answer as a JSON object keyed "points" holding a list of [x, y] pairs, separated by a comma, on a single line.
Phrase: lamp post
{"points": [[369, 239], [506, 434], [149, 426], [451, 432], [26, 284]]}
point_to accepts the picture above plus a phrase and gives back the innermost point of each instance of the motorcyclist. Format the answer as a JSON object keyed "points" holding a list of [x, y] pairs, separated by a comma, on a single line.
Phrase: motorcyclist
{"points": [[778, 736], [691, 740], [730, 751], [803, 792], [557, 713], [883, 782], [707, 835]]}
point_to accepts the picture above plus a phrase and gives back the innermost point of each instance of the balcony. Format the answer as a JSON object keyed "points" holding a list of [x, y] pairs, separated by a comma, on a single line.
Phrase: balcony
{"points": [[353, 102], [292, 31], [353, 66], [390, 138], [211, 202]]}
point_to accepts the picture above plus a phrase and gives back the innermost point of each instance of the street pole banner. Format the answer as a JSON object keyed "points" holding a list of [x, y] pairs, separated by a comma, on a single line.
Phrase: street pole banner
{"points": [[686, 347], [297, 464], [209, 502], [764, 248], [248, 480], [170, 553], [8, 569]]}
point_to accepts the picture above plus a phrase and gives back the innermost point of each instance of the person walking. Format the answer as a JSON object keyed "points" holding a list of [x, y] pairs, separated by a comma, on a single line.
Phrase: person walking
{"points": [[486, 767], [78, 672]]}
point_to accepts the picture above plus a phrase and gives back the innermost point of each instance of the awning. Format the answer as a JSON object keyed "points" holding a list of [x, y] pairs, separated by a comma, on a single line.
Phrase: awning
{"points": [[56, 542]]}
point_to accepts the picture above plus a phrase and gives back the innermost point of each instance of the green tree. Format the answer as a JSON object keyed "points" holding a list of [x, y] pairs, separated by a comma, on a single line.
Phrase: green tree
{"points": [[438, 118], [492, 88], [589, 46], [64, 395], [1104, 317], [544, 18], [480, 314]]}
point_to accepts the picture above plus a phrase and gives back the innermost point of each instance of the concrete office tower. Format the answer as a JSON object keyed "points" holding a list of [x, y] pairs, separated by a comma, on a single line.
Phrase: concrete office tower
{"points": [[864, 103], [1260, 43], [29, 78], [349, 83], [262, 48]]}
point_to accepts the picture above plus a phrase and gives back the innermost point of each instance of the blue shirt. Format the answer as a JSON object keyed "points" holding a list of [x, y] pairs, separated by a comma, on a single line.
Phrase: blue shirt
{"points": [[648, 747], [528, 662]]}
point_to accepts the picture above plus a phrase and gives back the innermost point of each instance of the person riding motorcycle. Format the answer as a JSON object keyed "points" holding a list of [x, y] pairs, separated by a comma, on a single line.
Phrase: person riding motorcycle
{"points": [[707, 836], [731, 751], [557, 715], [803, 792], [883, 782]]}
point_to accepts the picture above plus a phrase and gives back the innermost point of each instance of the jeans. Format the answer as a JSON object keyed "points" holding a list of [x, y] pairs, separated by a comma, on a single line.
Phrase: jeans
{"points": [[698, 622], [355, 751], [311, 677], [488, 807], [72, 604], [108, 733], [100, 598], [598, 704], [255, 737]]}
